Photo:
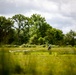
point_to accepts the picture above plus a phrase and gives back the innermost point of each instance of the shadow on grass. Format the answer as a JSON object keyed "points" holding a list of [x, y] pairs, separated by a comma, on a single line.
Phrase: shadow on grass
{"points": [[18, 69]]}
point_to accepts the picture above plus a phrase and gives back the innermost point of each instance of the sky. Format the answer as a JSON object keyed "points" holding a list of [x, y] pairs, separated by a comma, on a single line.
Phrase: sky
{"points": [[60, 14]]}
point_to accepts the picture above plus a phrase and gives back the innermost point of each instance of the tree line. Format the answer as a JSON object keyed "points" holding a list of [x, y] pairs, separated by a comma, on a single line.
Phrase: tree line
{"points": [[33, 30]]}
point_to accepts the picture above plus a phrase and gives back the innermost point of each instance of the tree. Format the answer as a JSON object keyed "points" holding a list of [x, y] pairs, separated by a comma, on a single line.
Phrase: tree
{"points": [[58, 37], [69, 38], [35, 30], [39, 26], [22, 27], [54, 36], [41, 40], [5, 29], [49, 36], [33, 39], [2, 21]]}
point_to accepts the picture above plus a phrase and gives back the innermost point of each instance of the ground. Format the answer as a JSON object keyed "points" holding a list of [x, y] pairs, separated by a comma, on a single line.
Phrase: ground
{"points": [[38, 61]]}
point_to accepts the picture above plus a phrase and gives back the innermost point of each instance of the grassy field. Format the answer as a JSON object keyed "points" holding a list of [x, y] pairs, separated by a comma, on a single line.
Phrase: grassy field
{"points": [[38, 61]]}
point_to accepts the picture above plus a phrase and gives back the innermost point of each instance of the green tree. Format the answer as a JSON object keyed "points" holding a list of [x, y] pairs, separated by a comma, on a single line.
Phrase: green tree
{"points": [[39, 26], [2, 28], [33, 39], [69, 38], [58, 37], [54, 36], [5, 29], [49, 36], [34, 29], [22, 27], [41, 40]]}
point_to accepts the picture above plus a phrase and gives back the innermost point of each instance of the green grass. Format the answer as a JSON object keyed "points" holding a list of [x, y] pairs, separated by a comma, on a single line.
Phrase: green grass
{"points": [[38, 61]]}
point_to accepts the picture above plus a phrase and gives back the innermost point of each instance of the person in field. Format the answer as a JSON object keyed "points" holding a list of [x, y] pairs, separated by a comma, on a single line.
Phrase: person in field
{"points": [[49, 47]]}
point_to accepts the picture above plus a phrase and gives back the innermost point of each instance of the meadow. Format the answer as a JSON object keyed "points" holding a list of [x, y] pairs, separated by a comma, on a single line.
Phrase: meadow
{"points": [[37, 60]]}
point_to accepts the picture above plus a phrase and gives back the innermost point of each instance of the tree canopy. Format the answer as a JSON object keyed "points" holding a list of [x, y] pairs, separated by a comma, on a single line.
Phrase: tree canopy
{"points": [[34, 30]]}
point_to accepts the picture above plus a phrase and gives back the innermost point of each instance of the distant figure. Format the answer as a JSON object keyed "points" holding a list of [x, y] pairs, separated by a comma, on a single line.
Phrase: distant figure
{"points": [[49, 47]]}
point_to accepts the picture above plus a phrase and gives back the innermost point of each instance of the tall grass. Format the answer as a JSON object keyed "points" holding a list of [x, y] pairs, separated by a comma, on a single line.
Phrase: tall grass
{"points": [[58, 61], [4, 62]]}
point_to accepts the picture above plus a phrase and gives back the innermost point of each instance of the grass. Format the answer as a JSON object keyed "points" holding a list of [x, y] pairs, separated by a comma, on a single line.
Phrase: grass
{"points": [[38, 61]]}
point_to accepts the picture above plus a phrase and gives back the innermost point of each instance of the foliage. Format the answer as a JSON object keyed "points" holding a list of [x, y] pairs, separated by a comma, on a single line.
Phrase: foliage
{"points": [[34, 30], [6, 31], [34, 39], [41, 40], [22, 27], [69, 38]]}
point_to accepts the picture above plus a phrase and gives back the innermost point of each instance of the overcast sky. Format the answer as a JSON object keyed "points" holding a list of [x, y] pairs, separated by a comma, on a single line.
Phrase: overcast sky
{"points": [[59, 14]]}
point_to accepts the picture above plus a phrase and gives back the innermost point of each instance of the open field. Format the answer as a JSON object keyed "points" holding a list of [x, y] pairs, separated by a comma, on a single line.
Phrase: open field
{"points": [[38, 61]]}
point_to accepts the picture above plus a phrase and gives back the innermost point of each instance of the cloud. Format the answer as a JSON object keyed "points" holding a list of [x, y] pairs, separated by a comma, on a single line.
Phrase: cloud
{"points": [[20, 6], [58, 13]]}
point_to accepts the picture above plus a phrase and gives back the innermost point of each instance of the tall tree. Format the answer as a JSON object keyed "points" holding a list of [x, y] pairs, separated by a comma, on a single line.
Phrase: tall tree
{"points": [[39, 26], [2, 28], [22, 27], [37, 23], [5, 29]]}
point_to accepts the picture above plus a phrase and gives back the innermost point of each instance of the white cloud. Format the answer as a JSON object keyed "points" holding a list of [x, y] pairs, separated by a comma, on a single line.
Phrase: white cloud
{"points": [[50, 6], [58, 13]]}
